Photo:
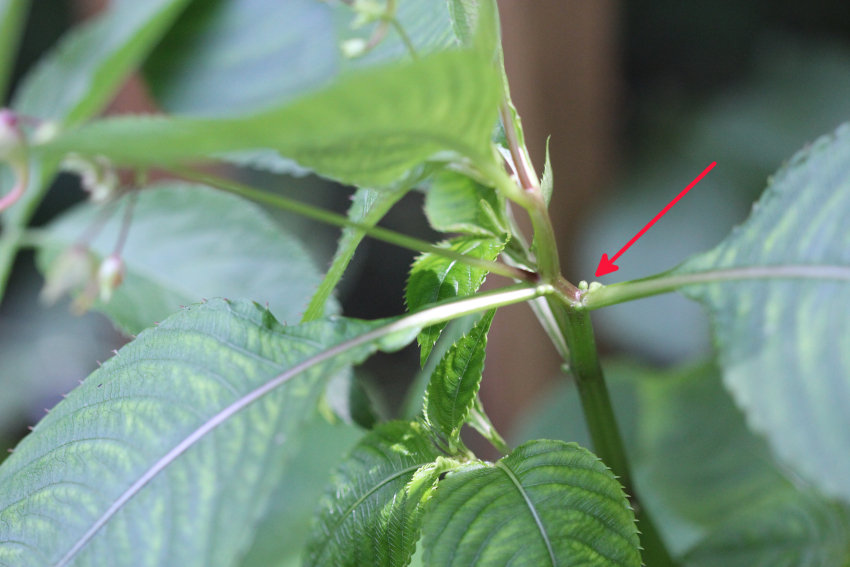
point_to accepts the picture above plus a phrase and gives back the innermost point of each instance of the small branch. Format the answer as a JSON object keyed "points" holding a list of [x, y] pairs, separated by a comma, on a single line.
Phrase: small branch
{"points": [[405, 38], [126, 222], [667, 282], [334, 219]]}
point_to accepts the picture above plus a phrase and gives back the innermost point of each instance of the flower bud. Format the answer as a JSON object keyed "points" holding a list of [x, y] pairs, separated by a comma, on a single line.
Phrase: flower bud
{"points": [[353, 48], [97, 175], [70, 271], [109, 276]]}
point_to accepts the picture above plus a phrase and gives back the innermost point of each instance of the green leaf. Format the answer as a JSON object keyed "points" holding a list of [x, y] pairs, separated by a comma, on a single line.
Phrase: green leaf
{"points": [[784, 337], [436, 278], [12, 18], [371, 512], [92, 61], [464, 18], [235, 57], [190, 242], [799, 531], [548, 503], [457, 328], [282, 534], [368, 129], [710, 483], [174, 446], [456, 203], [368, 207], [547, 184], [454, 386]]}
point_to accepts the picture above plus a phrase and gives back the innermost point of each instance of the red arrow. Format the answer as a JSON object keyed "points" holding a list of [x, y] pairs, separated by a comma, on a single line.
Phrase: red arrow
{"points": [[606, 265]]}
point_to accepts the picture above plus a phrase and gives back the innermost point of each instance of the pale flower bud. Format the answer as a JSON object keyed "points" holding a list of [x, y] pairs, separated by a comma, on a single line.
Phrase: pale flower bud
{"points": [[70, 271], [109, 276], [97, 175], [352, 48]]}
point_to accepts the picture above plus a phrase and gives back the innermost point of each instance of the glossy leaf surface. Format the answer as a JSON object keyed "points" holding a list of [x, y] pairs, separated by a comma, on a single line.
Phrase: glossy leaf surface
{"points": [[454, 386], [784, 338], [548, 503], [436, 278], [371, 511], [192, 372], [190, 242]]}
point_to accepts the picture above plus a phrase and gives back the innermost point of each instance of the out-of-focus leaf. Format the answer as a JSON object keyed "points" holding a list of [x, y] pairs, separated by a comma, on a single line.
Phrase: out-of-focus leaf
{"points": [[436, 278], [229, 57], [367, 129], [454, 386], [282, 535], [371, 512], [784, 337], [799, 530], [12, 17], [169, 453], [90, 63], [548, 503], [464, 18], [454, 204], [190, 242]]}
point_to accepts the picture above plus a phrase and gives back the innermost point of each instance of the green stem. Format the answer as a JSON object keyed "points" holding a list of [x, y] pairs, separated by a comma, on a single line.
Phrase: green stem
{"points": [[599, 415], [546, 247], [12, 17], [328, 217], [667, 282]]}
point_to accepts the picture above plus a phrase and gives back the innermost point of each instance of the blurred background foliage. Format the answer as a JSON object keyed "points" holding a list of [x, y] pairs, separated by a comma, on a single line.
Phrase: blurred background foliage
{"points": [[638, 96]]}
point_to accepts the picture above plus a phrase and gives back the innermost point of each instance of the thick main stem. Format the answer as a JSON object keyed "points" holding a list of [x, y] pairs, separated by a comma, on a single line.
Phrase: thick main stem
{"points": [[599, 415]]}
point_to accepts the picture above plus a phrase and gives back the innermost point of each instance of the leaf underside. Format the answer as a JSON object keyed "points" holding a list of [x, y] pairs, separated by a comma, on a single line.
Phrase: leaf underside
{"points": [[784, 343]]}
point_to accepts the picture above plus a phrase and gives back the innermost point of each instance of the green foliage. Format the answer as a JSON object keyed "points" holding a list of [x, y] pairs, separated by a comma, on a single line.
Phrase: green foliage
{"points": [[455, 203], [436, 278], [719, 495], [454, 386], [141, 405], [176, 254], [284, 50], [92, 61], [446, 102], [548, 503], [781, 344], [370, 514], [202, 442]]}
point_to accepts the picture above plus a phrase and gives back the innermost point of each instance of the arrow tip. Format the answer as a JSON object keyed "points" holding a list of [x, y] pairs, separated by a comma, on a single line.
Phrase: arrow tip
{"points": [[606, 266]]}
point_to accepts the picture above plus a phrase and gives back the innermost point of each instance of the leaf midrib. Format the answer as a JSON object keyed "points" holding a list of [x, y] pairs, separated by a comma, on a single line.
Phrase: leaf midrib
{"points": [[531, 509]]}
